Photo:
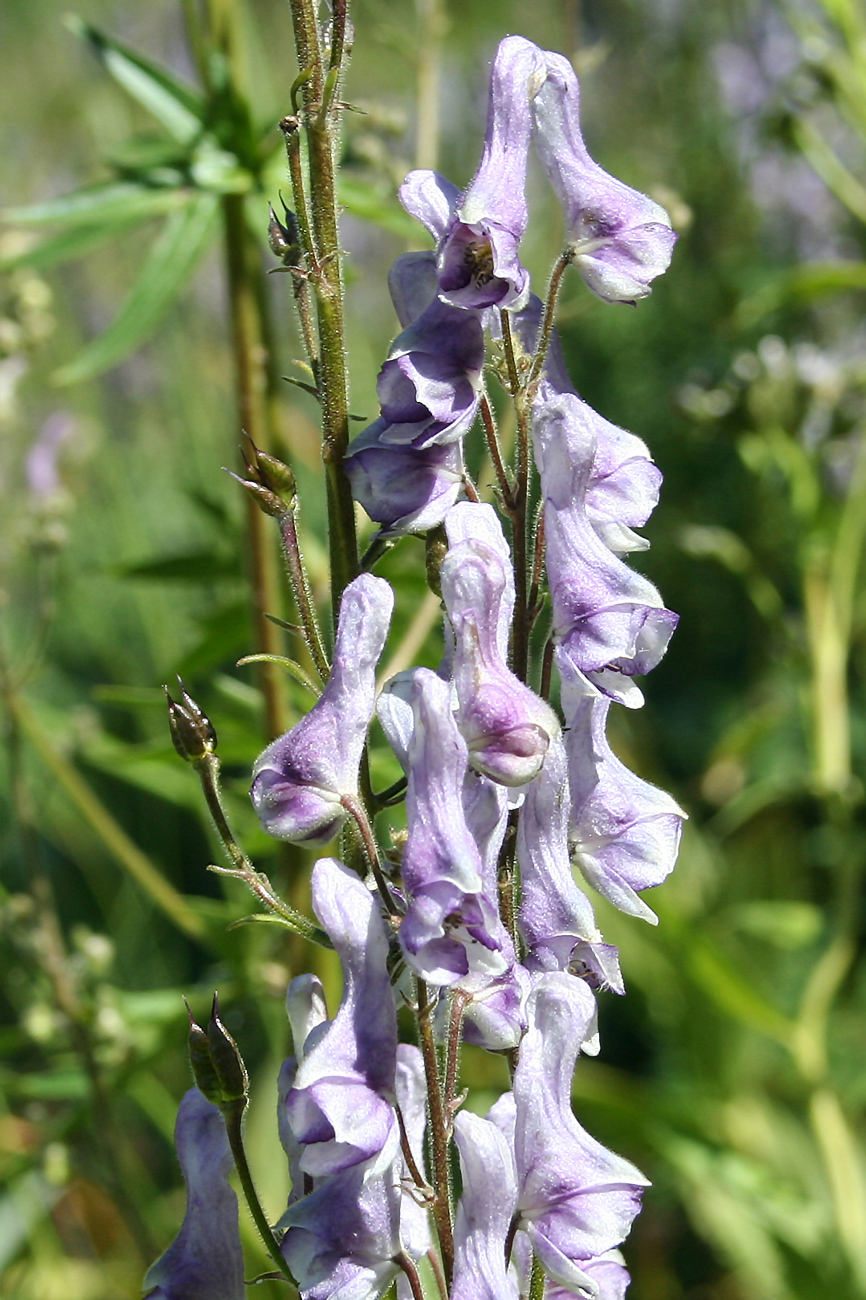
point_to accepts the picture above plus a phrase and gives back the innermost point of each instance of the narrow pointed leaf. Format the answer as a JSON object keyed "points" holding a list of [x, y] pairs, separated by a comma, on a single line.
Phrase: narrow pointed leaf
{"points": [[113, 203], [66, 246], [179, 108], [171, 261]]}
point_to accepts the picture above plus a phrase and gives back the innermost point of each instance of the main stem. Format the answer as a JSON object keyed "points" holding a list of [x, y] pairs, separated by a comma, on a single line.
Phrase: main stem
{"points": [[321, 119]]}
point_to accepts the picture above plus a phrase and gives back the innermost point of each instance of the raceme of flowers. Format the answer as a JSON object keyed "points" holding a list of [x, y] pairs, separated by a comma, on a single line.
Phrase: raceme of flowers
{"points": [[481, 751]]}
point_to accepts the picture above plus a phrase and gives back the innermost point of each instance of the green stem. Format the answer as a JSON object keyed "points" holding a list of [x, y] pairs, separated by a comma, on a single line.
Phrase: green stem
{"points": [[252, 418], [438, 1129], [546, 328], [233, 1116]]}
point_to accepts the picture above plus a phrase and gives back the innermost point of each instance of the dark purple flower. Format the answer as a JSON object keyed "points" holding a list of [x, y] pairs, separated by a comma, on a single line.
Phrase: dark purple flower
{"points": [[576, 1200], [556, 918], [300, 779], [205, 1260], [451, 926], [620, 239], [479, 231], [610, 620], [406, 489], [340, 1109], [506, 725], [625, 833], [484, 1212]]}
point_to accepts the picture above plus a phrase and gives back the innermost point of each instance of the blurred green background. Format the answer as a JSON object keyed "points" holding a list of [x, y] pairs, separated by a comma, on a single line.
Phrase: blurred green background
{"points": [[734, 1072]]}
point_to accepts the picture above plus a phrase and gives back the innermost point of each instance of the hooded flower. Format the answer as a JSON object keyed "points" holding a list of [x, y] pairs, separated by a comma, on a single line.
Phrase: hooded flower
{"points": [[342, 1239], [478, 232], [451, 926], [205, 1260], [484, 1211], [340, 1109], [300, 779], [625, 833], [576, 1200], [507, 727], [610, 620], [406, 468], [556, 919], [622, 488], [620, 239]]}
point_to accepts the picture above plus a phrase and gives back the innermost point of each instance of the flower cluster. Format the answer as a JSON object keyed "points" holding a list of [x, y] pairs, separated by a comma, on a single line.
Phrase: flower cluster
{"points": [[477, 921]]}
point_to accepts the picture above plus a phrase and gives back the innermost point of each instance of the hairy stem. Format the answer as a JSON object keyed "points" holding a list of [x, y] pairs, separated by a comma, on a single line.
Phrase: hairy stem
{"points": [[233, 1116], [438, 1130]]}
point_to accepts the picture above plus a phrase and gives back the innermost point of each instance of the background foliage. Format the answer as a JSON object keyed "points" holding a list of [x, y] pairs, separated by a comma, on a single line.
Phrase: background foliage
{"points": [[734, 1072]]}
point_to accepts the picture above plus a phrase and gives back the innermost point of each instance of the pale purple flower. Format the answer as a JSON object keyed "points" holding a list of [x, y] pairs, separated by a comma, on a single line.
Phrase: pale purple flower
{"points": [[342, 1239], [556, 918], [340, 1109], [301, 778], [507, 727], [607, 1273], [478, 232], [576, 1200], [622, 489], [306, 1009], [451, 926], [610, 620], [625, 833], [205, 1260], [484, 1212], [620, 239]]}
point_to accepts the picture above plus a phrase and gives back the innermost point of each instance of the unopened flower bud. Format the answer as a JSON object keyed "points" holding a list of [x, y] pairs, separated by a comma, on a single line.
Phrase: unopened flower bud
{"points": [[217, 1065], [227, 1060], [192, 732], [284, 240]]}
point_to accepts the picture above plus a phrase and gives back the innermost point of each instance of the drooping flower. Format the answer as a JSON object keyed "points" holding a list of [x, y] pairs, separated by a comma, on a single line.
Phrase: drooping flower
{"points": [[451, 926], [340, 1109], [610, 621], [556, 918], [507, 727], [301, 778], [625, 833], [205, 1260], [622, 489], [484, 1212], [576, 1200], [342, 1239], [620, 239], [478, 232]]}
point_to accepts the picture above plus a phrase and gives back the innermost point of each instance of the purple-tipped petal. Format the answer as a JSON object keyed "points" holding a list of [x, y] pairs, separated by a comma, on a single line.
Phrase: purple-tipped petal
{"points": [[341, 1107], [507, 727], [484, 1212], [621, 240], [205, 1260], [300, 779]]}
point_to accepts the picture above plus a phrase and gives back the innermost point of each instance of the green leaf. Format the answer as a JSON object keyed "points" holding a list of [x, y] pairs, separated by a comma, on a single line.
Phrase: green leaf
{"points": [[379, 205], [294, 669], [170, 262], [178, 107], [114, 202], [195, 566], [66, 246]]}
